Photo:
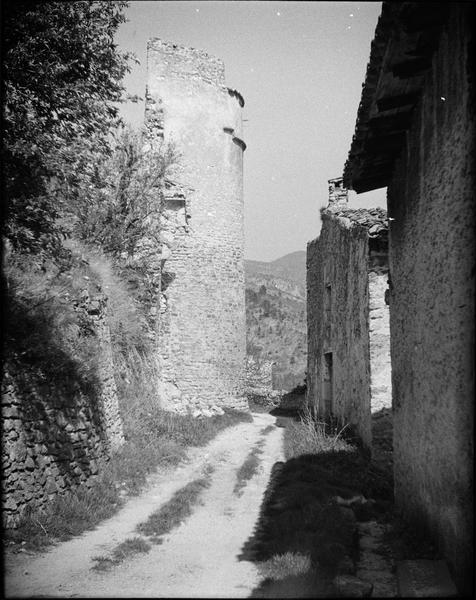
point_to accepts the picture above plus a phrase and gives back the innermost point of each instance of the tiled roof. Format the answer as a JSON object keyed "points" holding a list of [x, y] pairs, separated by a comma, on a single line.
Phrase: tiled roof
{"points": [[373, 219]]}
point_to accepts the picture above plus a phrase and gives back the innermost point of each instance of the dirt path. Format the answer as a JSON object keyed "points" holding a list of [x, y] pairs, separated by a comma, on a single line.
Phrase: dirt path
{"points": [[198, 559]]}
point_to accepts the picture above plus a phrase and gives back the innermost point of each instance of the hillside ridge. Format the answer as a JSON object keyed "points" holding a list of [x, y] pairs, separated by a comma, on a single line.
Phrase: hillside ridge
{"points": [[276, 316]]}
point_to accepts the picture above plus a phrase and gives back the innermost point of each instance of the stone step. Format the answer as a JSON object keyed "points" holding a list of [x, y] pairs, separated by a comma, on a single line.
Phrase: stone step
{"points": [[375, 563]]}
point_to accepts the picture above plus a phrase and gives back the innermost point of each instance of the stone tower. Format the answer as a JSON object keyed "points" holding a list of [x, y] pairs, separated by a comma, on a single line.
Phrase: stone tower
{"points": [[201, 332]]}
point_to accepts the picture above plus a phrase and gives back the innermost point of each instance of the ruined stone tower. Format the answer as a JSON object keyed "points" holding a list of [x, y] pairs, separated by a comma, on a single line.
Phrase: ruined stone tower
{"points": [[201, 334]]}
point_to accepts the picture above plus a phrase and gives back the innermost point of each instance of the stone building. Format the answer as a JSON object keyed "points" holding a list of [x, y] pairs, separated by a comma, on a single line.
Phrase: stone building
{"points": [[415, 134], [201, 332], [348, 374]]}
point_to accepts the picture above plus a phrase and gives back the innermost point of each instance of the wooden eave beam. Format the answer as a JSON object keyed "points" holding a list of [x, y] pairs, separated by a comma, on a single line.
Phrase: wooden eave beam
{"points": [[367, 185], [410, 68], [384, 143], [394, 123], [398, 101]]}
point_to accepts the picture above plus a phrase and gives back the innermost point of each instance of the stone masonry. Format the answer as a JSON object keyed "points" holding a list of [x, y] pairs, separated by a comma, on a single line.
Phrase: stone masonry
{"points": [[259, 375], [348, 331], [55, 439], [201, 332]]}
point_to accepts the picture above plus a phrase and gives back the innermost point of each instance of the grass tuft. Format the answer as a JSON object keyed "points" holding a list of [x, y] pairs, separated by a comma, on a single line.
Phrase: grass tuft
{"points": [[68, 515], [123, 551], [284, 565], [308, 436], [248, 468], [267, 429], [176, 510]]}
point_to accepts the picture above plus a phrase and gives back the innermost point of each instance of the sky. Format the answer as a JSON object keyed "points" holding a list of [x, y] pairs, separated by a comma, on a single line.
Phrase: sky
{"points": [[300, 68]]}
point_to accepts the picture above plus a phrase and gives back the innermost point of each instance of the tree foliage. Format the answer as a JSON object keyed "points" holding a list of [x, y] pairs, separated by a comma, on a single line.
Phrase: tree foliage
{"points": [[121, 216], [126, 193], [62, 76]]}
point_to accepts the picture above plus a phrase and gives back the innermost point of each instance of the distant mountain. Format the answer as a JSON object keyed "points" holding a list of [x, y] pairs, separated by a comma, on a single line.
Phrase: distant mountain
{"points": [[291, 266], [276, 316]]}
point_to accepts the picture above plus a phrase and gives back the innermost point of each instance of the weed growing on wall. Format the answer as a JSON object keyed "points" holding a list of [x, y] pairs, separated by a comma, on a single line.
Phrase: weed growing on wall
{"points": [[127, 323]]}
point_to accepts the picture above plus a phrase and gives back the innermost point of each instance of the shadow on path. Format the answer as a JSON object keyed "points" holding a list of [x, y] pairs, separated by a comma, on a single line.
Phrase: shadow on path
{"points": [[311, 507]]}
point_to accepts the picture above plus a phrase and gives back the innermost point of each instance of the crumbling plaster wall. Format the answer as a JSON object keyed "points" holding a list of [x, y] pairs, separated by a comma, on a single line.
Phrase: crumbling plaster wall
{"points": [[379, 334], [338, 321], [431, 202], [55, 437], [202, 346]]}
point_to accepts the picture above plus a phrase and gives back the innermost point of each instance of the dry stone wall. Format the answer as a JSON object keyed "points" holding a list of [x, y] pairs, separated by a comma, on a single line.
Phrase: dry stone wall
{"points": [[201, 340], [432, 257], [96, 307], [55, 437]]}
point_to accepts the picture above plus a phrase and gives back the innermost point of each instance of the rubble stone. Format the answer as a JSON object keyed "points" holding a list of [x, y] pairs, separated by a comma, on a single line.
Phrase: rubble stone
{"points": [[349, 586]]}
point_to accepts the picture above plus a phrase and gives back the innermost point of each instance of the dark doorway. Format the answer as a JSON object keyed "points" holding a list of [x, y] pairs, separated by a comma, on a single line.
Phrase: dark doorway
{"points": [[327, 383]]}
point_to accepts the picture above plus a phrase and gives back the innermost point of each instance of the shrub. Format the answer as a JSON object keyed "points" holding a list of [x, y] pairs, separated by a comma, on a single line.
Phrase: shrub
{"points": [[123, 206], [309, 436]]}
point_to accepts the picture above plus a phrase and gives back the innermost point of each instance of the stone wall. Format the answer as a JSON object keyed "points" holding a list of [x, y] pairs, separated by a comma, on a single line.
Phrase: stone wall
{"points": [[201, 338], [55, 436], [259, 375], [96, 307], [431, 202], [338, 337]]}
